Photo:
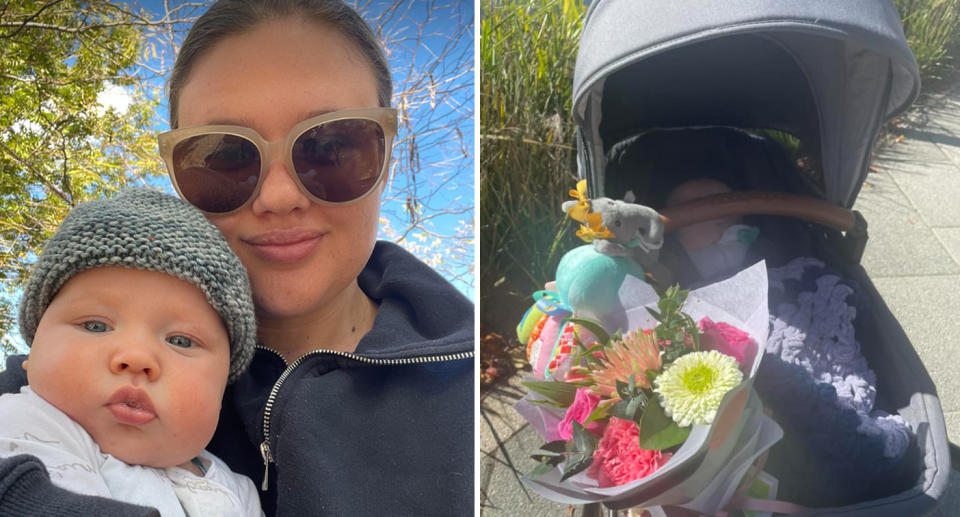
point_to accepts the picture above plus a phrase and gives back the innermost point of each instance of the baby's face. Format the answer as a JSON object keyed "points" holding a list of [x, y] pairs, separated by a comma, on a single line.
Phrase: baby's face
{"points": [[700, 235], [138, 358]]}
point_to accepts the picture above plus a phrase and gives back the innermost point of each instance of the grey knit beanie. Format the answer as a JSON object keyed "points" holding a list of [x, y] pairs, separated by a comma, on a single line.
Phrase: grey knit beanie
{"points": [[148, 230]]}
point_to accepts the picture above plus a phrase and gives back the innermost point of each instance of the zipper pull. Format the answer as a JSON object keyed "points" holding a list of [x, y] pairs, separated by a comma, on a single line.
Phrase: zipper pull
{"points": [[265, 452]]}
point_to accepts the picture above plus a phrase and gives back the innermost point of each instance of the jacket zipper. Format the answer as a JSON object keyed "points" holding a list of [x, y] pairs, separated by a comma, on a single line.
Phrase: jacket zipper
{"points": [[265, 445]]}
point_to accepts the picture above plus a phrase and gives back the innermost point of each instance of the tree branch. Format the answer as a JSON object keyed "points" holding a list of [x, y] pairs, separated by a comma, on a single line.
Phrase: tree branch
{"points": [[87, 28], [51, 82], [39, 175], [31, 17]]}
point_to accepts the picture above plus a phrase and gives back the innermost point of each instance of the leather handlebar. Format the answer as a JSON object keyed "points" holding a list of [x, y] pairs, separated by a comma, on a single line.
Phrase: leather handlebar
{"points": [[731, 204]]}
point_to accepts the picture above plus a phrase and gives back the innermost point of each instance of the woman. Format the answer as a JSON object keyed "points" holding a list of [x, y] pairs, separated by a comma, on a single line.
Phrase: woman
{"points": [[360, 398]]}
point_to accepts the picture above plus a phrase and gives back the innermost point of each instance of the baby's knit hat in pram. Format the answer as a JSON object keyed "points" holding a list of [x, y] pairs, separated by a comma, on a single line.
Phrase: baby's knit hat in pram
{"points": [[144, 229]]}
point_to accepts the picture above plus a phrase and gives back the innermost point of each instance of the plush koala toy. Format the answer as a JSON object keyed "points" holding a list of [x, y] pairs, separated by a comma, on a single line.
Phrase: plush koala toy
{"points": [[637, 230]]}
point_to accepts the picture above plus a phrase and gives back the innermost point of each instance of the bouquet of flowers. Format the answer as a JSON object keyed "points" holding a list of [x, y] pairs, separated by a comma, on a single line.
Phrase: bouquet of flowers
{"points": [[661, 413]]}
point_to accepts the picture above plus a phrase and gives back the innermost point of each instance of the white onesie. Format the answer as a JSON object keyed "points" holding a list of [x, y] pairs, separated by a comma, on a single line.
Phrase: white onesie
{"points": [[31, 425]]}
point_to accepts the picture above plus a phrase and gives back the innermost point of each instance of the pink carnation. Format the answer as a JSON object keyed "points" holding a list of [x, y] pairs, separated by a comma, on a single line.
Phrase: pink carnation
{"points": [[727, 340], [619, 459], [583, 405]]}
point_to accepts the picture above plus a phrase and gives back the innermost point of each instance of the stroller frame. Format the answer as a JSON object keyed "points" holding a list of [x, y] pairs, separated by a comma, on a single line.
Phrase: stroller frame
{"points": [[828, 73]]}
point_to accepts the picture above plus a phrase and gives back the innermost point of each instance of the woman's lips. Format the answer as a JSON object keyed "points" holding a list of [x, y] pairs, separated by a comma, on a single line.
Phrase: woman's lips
{"points": [[131, 406], [284, 246]]}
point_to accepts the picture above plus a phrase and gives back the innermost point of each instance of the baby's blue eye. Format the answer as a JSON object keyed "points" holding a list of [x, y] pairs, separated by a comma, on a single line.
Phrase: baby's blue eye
{"points": [[180, 341], [95, 326]]}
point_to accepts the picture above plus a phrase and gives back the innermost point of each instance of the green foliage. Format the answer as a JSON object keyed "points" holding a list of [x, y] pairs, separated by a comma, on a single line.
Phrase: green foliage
{"points": [[549, 455], [7, 346], [576, 453], [657, 430], [593, 327], [676, 330], [527, 154], [58, 145], [561, 392], [579, 451], [633, 400], [931, 28]]}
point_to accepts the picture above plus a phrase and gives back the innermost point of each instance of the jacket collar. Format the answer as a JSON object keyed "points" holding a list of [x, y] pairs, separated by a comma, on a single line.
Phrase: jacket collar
{"points": [[420, 314]]}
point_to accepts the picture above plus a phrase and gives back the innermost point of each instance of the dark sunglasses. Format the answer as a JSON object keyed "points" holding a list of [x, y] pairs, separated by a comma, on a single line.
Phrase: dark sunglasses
{"points": [[335, 159]]}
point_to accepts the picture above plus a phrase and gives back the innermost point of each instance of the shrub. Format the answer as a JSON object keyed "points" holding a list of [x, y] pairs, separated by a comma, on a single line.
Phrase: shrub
{"points": [[931, 27], [527, 154]]}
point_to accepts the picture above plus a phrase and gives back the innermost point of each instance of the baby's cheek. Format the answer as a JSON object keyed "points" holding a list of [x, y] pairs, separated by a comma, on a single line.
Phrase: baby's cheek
{"points": [[197, 416], [698, 236]]}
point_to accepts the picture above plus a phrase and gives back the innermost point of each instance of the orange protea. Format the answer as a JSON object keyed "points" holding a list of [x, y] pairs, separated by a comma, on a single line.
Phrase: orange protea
{"points": [[633, 354]]}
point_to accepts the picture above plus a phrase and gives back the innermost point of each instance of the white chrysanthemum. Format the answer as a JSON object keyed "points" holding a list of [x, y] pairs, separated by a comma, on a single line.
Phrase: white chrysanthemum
{"points": [[691, 387]]}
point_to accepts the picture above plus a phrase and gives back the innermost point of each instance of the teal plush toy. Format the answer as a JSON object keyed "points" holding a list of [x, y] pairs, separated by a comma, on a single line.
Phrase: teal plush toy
{"points": [[625, 240], [588, 281]]}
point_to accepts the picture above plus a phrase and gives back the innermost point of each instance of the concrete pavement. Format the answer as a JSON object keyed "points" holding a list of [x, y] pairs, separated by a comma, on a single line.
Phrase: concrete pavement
{"points": [[911, 201]]}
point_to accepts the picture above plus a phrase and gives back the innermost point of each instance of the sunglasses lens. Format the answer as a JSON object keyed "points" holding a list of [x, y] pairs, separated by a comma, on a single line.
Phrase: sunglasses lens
{"points": [[341, 160], [216, 172]]}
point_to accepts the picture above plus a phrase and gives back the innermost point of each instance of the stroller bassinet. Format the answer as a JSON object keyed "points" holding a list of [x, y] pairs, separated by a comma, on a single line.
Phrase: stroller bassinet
{"points": [[663, 93]]}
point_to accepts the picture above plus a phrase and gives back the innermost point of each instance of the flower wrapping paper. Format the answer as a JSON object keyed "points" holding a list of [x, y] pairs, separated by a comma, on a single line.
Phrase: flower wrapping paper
{"points": [[703, 474]]}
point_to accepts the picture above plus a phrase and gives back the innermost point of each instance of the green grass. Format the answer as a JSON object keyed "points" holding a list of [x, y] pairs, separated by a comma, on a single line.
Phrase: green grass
{"points": [[527, 158], [931, 28]]}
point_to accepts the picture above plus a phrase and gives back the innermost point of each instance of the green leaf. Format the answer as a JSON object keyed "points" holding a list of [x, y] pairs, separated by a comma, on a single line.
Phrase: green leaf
{"points": [[550, 451], [620, 410], [549, 455], [561, 392], [654, 313], [549, 403], [593, 327], [629, 409], [541, 469], [624, 389], [674, 351], [580, 452], [576, 466], [667, 306], [668, 437], [583, 440], [653, 421], [599, 413], [589, 351], [636, 406], [651, 376], [657, 430]]}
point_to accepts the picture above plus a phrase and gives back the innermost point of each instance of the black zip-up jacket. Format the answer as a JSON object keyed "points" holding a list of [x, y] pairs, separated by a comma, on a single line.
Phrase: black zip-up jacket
{"points": [[387, 430]]}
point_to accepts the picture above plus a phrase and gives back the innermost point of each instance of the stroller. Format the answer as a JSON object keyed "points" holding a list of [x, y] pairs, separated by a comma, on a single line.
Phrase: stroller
{"points": [[786, 98]]}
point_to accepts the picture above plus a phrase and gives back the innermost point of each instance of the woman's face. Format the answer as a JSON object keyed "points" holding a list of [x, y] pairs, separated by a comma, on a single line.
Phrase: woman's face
{"points": [[299, 255]]}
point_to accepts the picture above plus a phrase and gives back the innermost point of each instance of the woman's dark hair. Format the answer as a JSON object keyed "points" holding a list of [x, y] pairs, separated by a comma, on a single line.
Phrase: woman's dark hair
{"points": [[229, 17]]}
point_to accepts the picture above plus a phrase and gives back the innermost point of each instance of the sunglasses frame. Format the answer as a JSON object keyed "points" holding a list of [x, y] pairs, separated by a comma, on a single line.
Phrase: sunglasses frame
{"points": [[385, 117]]}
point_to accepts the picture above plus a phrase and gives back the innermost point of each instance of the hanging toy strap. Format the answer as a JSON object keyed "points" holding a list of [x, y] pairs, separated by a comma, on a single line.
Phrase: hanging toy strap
{"points": [[549, 303]]}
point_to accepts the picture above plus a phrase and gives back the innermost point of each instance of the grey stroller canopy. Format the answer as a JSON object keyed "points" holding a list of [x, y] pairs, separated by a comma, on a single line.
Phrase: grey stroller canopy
{"points": [[828, 72]]}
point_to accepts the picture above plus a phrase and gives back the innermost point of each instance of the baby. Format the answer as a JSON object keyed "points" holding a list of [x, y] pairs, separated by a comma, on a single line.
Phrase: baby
{"points": [[717, 248], [138, 314]]}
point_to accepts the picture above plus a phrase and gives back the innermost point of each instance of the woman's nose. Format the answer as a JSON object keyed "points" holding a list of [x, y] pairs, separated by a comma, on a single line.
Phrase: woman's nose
{"points": [[279, 194], [134, 359]]}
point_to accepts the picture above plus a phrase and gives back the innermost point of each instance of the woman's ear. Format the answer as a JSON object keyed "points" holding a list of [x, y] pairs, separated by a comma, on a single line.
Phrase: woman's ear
{"points": [[24, 364]]}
